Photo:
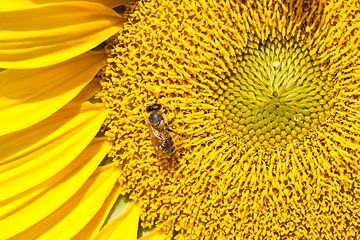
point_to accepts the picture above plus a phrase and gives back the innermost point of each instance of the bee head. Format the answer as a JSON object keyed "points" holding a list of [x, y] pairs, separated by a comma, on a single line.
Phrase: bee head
{"points": [[153, 107]]}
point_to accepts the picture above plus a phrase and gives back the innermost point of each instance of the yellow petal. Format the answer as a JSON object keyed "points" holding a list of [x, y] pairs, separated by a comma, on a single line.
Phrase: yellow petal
{"points": [[42, 35], [124, 227], [74, 214], [89, 91], [31, 156], [157, 234], [93, 227], [28, 96], [33, 205], [17, 4]]}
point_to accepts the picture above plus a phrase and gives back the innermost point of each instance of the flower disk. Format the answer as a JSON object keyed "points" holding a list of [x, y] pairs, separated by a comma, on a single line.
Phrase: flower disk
{"points": [[274, 93], [266, 95]]}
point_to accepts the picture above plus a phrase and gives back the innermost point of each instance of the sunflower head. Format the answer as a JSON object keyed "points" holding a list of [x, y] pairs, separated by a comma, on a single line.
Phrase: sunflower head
{"points": [[266, 95]]}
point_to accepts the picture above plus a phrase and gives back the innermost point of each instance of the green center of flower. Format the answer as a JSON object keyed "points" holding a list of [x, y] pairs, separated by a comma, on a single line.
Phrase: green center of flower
{"points": [[275, 92]]}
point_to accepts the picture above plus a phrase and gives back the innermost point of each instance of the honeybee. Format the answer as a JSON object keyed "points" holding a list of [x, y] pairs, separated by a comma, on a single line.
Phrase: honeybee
{"points": [[161, 138]]}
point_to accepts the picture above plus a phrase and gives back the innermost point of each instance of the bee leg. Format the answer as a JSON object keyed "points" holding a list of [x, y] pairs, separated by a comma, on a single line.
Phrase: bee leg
{"points": [[170, 122], [181, 135]]}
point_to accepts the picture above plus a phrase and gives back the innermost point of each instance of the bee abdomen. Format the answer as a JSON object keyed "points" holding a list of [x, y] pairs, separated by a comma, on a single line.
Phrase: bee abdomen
{"points": [[168, 146]]}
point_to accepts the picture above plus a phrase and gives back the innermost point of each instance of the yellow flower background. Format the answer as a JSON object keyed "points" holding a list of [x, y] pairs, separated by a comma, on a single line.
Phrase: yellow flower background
{"points": [[265, 96]]}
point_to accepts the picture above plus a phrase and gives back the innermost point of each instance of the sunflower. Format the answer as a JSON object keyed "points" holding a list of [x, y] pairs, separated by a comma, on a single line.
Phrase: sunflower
{"points": [[53, 185], [265, 97]]}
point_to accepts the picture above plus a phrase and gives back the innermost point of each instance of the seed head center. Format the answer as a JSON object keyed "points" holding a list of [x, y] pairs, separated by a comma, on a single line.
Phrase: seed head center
{"points": [[274, 93]]}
